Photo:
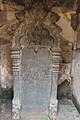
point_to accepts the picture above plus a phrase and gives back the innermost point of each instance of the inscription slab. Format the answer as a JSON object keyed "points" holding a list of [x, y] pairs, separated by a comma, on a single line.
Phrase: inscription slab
{"points": [[36, 80]]}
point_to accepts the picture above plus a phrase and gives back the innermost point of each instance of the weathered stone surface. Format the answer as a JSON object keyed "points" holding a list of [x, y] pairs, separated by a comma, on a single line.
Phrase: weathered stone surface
{"points": [[2, 18], [11, 27], [64, 82], [78, 6], [74, 21], [78, 40], [40, 36], [66, 51], [54, 17], [6, 67], [20, 2], [3, 41], [20, 15], [68, 4], [5, 94], [64, 73], [46, 4], [36, 76], [64, 90]]}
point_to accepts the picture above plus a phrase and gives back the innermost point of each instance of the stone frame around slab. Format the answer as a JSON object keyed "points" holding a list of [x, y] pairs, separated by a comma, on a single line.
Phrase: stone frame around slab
{"points": [[24, 36]]}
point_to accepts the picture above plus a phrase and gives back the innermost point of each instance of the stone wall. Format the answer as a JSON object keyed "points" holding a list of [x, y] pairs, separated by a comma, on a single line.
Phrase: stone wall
{"points": [[65, 82], [6, 66], [8, 23], [66, 45]]}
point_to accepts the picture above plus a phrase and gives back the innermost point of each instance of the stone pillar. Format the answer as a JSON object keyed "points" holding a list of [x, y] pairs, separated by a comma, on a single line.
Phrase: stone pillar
{"points": [[74, 54], [16, 103], [55, 71], [6, 66]]}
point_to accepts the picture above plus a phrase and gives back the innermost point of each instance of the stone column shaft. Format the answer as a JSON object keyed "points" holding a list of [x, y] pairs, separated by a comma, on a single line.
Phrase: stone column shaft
{"points": [[16, 103], [55, 71]]}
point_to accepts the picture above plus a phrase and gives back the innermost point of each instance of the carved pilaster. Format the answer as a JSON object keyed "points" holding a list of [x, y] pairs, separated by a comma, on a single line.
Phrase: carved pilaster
{"points": [[16, 72], [55, 71]]}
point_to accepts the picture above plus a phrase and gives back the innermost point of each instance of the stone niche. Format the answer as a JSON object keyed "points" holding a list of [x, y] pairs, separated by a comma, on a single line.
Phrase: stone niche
{"points": [[36, 57]]}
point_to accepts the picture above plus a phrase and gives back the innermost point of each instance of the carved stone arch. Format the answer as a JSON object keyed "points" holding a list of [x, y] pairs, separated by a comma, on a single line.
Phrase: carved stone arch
{"points": [[36, 32]]}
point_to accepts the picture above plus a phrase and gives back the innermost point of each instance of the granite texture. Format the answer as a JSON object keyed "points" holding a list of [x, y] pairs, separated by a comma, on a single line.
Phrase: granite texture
{"points": [[36, 79]]}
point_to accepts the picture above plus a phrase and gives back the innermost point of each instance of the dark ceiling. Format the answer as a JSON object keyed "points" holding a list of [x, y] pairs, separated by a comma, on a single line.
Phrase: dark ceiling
{"points": [[65, 3]]}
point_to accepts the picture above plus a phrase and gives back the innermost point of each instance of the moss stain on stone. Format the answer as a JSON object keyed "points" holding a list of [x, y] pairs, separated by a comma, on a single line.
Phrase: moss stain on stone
{"points": [[5, 94]]}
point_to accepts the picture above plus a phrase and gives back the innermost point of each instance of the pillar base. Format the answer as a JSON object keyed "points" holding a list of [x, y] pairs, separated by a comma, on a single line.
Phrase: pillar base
{"points": [[16, 107], [53, 110]]}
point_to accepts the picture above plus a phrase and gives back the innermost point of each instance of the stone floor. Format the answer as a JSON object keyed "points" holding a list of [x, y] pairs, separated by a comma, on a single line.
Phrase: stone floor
{"points": [[5, 110], [67, 111]]}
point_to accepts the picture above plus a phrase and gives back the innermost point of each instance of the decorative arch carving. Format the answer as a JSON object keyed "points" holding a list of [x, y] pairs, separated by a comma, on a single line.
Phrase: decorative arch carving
{"points": [[35, 31]]}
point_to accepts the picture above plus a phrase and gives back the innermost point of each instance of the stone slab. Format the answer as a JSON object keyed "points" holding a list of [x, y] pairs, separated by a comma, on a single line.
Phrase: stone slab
{"points": [[36, 80]]}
